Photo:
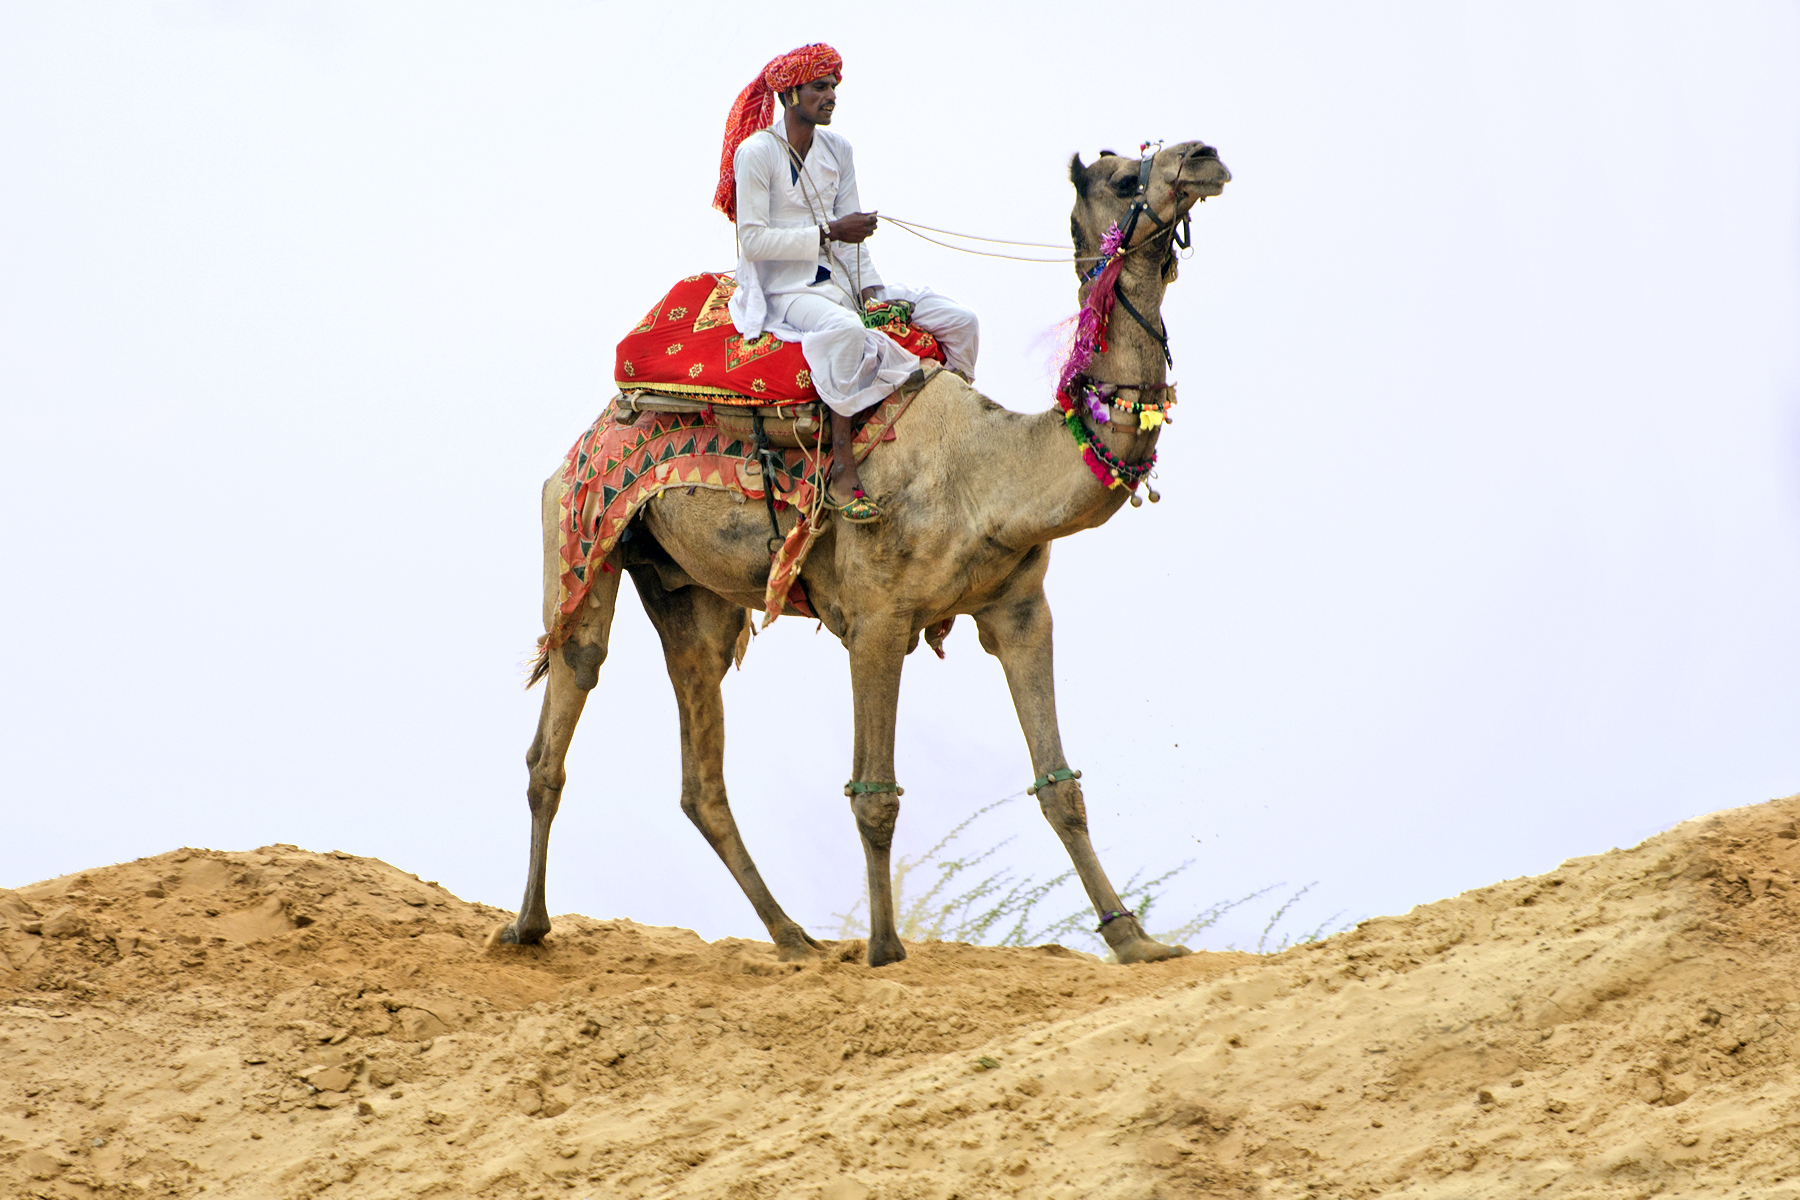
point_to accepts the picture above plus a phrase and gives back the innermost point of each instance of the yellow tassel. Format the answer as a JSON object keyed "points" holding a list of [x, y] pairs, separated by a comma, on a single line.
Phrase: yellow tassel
{"points": [[1149, 419]]}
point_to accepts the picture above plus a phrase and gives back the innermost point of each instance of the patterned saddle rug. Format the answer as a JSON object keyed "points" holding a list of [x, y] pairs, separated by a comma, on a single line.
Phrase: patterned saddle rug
{"points": [[687, 346], [628, 457]]}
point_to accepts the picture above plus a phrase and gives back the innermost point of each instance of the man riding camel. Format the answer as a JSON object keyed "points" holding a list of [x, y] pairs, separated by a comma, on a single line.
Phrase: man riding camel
{"points": [[804, 271]]}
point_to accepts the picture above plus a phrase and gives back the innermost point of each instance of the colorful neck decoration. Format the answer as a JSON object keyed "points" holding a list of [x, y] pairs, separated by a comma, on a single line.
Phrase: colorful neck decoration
{"points": [[1075, 392]]}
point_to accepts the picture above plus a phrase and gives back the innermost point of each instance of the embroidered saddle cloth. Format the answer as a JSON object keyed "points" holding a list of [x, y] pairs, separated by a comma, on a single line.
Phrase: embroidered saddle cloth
{"points": [[628, 457], [687, 346]]}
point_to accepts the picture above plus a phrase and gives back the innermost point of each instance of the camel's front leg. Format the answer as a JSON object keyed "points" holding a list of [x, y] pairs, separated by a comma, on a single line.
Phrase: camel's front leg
{"points": [[877, 651], [1017, 632]]}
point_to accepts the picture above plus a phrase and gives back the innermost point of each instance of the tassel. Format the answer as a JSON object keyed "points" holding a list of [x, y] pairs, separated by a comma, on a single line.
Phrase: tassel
{"points": [[1090, 323], [1101, 471]]}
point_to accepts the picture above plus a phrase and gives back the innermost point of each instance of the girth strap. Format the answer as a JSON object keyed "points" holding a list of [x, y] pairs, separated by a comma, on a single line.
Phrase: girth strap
{"points": [[766, 454]]}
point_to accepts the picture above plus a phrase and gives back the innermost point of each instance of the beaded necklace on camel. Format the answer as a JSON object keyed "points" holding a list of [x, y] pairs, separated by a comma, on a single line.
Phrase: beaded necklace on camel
{"points": [[1075, 392]]}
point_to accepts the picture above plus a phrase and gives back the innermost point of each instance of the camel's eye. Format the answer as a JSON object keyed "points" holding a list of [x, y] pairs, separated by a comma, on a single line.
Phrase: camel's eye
{"points": [[1126, 186]]}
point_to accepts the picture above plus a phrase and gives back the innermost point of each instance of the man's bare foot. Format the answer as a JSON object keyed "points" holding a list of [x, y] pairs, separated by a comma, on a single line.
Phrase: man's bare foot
{"points": [[845, 478], [844, 490]]}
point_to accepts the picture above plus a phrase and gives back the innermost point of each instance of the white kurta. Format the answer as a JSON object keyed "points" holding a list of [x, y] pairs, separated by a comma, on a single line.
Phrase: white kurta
{"points": [[778, 230], [779, 259]]}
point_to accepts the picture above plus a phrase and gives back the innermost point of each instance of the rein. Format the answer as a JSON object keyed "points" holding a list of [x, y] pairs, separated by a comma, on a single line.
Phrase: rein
{"points": [[1182, 238], [913, 229]]}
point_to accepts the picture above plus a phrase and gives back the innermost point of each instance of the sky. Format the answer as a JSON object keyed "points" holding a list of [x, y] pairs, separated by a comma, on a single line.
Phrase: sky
{"points": [[1479, 545]]}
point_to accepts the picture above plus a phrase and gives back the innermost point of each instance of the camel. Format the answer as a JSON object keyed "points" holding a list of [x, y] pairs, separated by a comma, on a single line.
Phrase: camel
{"points": [[973, 495]]}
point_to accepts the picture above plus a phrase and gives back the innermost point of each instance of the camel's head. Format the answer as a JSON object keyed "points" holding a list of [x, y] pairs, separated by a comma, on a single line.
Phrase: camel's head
{"points": [[1177, 179]]}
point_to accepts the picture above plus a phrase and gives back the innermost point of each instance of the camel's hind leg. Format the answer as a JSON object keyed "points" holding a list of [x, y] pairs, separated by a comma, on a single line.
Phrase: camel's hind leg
{"points": [[573, 669], [699, 630], [1017, 632]]}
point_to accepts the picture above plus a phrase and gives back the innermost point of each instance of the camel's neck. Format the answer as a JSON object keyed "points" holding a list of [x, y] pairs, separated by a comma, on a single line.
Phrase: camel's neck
{"points": [[1067, 497], [1133, 355]]}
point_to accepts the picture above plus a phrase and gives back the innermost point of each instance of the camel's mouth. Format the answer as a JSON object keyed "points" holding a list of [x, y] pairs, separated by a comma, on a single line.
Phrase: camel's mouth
{"points": [[1201, 173], [1204, 172], [1195, 189]]}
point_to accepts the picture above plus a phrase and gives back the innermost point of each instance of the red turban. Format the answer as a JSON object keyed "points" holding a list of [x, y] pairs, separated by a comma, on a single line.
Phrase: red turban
{"points": [[754, 109]]}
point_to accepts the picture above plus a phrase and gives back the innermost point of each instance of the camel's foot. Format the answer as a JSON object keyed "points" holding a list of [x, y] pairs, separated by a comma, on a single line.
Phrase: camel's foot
{"points": [[520, 933], [1130, 944], [1145, 950], [792, 944], [883, 951]]}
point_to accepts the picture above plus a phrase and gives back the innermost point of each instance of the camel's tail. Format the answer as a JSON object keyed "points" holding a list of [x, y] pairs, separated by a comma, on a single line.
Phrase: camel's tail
{"points": [[540, 663]]}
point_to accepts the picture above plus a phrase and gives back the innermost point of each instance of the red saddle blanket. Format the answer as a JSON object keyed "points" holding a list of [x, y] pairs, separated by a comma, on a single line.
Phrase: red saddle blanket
{"points": [[625, 459], [687, 345]]}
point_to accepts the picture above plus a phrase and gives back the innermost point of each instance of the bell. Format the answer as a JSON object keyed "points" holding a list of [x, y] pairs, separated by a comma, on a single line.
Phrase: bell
{"points": [[1137, 501], [1155, 496]]}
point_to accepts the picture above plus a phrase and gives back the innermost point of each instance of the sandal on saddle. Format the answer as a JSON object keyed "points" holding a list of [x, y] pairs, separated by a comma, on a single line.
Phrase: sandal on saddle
{"points": [[858, 510]]}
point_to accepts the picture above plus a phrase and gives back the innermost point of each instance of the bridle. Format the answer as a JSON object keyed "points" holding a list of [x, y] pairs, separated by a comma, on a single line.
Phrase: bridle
{"points": [[1181, 237], [1081, 396], [1183, 225]]}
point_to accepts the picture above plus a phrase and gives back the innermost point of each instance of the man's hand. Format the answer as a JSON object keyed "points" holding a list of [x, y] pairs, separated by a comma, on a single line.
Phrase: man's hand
{"points": [[870, 295], [854, 228]]}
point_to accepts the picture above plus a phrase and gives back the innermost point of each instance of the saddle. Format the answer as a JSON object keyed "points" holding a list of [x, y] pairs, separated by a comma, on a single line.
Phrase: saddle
{"points": [[686, 348], [804, 426]]}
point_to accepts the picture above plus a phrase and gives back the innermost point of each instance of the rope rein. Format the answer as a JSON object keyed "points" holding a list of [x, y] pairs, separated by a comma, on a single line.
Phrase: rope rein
{"points": [[976, 237], [914, 230]]}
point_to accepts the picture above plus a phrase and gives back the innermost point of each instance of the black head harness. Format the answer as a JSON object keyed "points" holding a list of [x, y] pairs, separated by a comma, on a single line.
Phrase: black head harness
{"points": [[1180, 236]]}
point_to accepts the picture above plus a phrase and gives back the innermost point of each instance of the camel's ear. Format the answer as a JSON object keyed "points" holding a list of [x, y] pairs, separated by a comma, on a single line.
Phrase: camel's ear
{"points": [[1078, 174]]}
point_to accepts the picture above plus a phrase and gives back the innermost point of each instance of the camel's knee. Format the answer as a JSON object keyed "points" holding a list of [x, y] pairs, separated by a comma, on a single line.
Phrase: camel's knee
{"points": [[710, 815], [583, 660], [1015, 625], [1064, 808], [700, 665], [543, 791], [876, 815]]}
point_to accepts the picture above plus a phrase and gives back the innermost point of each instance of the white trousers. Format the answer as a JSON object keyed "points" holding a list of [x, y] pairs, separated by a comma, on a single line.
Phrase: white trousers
{"points": [[853, 367]]}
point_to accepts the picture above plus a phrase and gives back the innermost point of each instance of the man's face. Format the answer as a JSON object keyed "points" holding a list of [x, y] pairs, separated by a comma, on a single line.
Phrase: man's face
{"points": [[815, 101]]}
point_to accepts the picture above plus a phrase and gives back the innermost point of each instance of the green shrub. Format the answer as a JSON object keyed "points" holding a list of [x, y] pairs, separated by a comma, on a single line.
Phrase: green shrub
{"points": [[960, 904]]}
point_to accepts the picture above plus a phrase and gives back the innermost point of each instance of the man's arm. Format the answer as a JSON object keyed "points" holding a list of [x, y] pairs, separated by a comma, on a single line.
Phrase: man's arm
{"points": [[755, 164]]}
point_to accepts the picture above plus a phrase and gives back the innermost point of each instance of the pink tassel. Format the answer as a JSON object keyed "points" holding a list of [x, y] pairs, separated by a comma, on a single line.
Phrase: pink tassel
{"points": [[1096, 310]]}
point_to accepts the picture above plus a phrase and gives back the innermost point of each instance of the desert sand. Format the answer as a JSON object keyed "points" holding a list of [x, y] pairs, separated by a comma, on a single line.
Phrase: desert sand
{"points": [[283, 1024]]}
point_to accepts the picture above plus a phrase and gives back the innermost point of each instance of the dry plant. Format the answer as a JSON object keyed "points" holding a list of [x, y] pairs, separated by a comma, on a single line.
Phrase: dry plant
{"points": [[1001, 908]]}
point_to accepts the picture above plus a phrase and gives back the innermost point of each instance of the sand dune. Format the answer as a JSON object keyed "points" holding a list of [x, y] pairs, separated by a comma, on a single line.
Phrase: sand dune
{"points": [[285, 1024]]}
